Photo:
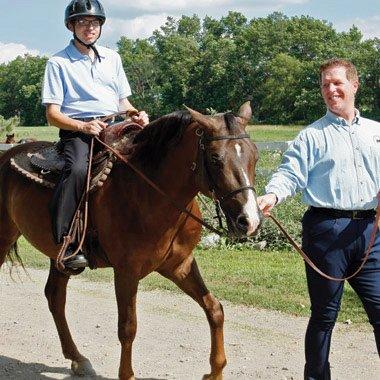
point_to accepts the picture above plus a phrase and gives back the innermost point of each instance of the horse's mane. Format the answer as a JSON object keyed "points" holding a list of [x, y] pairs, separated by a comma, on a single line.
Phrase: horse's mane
{"points": [[151, 145]]}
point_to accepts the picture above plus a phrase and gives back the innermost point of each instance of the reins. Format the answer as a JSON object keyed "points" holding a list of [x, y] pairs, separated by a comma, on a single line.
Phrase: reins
{"points": [[313, 266], [158, 189], [201, 146], [78, 228]]}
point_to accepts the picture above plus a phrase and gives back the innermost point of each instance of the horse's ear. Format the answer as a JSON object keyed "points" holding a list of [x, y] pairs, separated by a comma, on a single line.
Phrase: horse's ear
{"points": [[201, 119], [245, 112]]}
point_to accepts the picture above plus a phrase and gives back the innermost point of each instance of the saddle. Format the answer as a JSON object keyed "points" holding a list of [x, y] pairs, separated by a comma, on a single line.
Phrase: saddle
{"points": [[44, 161]]}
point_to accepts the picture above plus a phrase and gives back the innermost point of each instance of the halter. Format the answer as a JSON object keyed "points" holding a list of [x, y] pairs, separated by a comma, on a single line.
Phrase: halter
{"points": [[206, 174]]}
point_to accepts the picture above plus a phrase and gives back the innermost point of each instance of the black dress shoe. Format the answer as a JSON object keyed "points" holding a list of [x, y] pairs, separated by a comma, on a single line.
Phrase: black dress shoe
{"points": [[76, 262]]}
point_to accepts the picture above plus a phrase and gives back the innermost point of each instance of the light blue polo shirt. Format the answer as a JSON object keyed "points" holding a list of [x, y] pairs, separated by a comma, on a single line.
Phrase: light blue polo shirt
{"points": [[334, 164], [82, 87]]}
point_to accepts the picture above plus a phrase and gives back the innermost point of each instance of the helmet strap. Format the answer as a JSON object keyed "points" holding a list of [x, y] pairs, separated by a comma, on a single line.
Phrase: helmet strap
{"points": [[89, 46]]}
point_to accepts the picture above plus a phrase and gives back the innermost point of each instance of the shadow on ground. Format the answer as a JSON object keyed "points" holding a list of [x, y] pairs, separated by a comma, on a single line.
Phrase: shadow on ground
{"points": [[13, 369]]}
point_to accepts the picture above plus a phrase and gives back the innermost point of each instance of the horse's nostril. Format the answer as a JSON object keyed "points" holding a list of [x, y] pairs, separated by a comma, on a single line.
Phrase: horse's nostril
{"points": [[242, 222]]}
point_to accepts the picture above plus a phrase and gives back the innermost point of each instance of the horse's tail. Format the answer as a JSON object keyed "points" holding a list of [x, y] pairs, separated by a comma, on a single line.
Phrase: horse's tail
{"points": [[14, 258]]}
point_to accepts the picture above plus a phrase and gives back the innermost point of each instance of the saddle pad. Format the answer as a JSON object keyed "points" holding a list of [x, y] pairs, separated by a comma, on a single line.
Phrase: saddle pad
{"points": [[42, 164], [48, 159]]}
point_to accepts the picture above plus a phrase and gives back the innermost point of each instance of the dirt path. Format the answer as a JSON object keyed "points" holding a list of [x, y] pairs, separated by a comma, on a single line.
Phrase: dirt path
{"points": [[172, 340]]}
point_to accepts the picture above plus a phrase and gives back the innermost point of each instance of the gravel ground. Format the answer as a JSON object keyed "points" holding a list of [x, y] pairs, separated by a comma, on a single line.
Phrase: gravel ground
{"points": [[172, 340]]}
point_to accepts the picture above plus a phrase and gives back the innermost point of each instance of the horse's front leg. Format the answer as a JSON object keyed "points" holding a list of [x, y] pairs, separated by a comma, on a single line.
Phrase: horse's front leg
{"points": [[55, 292], [188, 278], [126, 290]]}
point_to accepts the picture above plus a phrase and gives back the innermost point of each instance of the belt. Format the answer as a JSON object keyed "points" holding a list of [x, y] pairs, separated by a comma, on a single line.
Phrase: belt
{"points": [[351, 214], [114, 119]]}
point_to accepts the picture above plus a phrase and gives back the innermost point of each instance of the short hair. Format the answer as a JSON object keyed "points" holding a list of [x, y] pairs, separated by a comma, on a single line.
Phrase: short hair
{"points": [[351, 72]]}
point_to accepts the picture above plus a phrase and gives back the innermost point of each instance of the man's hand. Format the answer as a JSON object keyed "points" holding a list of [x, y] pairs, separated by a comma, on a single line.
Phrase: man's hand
{"points": [[93, 127], [141, 118], [266, 203]]}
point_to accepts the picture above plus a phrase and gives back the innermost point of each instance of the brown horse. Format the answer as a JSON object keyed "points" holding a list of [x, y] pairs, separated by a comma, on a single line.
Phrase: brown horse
{"points": [[139, 230]]}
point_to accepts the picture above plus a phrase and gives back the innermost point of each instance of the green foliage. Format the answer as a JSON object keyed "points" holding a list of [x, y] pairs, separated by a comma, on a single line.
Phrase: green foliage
{"points": [[220, 63], [274, 61], [8, 126], [20, 89]]}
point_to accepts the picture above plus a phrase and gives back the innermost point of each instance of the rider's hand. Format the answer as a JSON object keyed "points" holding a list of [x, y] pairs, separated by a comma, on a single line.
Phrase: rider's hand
{"points": [[141, 118], [266, 203], [93, 127]]}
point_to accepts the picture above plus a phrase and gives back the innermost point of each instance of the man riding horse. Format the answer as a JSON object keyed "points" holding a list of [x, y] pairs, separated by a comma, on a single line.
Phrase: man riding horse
{"points": [[82, 82]]}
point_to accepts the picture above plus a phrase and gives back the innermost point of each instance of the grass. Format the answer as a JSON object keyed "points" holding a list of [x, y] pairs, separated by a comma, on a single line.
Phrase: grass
{"points": [[272, 280], [257, 132], [268, 279], [273, 132], [38, 133]]}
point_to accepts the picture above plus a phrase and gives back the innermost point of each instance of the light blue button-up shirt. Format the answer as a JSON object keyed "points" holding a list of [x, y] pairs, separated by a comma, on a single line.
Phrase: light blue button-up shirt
{"points": [[334, 164], [82, 87]]}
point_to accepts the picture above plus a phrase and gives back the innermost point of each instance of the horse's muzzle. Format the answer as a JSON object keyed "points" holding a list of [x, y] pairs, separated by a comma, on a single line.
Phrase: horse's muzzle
{"points": [[242, 226]]}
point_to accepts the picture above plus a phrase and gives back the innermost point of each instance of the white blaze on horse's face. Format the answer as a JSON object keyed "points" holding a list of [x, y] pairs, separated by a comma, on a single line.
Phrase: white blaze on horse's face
{"points": [[238, 150], [250, 208]]}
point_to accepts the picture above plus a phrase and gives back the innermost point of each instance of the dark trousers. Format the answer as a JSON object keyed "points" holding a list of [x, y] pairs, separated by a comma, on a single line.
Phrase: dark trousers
{"points": [[337, 246], [70, 187]]}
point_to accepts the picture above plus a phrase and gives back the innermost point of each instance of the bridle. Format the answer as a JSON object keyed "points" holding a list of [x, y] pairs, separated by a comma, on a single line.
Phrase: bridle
{"points": [[206, 173], [202, 158]]}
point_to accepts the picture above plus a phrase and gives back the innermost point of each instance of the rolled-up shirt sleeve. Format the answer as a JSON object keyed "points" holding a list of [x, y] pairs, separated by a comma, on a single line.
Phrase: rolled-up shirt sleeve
{"points": [[292, 175], [124, 89], [53, 86]]}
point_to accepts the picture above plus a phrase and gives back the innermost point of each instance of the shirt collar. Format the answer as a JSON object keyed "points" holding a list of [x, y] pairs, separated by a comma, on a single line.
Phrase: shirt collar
{"points": [[334, 118], [76, 55]]}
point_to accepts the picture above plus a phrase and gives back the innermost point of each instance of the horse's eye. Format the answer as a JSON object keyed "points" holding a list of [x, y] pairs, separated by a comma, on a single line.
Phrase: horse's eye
{"points": [[216, 160]]}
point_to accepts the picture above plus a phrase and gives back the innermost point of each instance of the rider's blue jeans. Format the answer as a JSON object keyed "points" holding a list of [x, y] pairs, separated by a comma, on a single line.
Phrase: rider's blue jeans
{"points": [[336, 246]]}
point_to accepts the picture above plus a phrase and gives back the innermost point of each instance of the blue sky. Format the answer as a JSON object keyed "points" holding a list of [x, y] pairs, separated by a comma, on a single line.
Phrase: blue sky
{"points": [[36, 26]]}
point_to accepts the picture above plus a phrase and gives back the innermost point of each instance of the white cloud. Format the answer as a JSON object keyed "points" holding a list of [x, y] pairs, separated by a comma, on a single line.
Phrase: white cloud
{"points": [[196, 6], [139, 27], [138, 19], [10, 51], [370, 27]]}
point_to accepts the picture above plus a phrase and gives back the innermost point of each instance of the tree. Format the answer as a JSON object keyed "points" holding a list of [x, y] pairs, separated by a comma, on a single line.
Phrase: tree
{"points": [[20, 89], [177, 56], [139, 61]]}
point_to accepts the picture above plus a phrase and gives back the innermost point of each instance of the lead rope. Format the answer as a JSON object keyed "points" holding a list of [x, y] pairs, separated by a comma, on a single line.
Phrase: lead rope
{"points": [[312, 265]]}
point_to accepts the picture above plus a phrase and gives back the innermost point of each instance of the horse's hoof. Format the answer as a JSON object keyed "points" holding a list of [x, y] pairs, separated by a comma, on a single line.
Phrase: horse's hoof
{"points": [[210, 376], [82, 368]]}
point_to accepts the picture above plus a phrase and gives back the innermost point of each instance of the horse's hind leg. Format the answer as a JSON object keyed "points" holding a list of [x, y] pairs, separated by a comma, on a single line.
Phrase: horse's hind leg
{"points": [[188, 278], [55, 292]]}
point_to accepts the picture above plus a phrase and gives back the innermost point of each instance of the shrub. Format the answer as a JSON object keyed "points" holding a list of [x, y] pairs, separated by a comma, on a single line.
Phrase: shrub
{"points": [[8, 126]]}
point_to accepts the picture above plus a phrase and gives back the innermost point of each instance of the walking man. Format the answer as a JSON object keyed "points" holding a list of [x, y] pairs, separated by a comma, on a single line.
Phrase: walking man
{"points": [[335, 163]]}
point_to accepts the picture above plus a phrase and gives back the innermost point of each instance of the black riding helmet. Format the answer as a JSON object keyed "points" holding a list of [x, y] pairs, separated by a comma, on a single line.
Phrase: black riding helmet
{"points": [[80, 8]]}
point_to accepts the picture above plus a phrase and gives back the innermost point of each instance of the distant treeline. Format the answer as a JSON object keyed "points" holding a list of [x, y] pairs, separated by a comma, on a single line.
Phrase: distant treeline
{"points": [[215, 65]]}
